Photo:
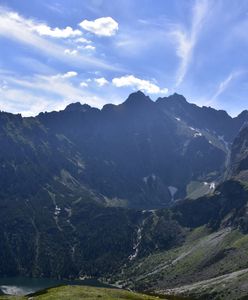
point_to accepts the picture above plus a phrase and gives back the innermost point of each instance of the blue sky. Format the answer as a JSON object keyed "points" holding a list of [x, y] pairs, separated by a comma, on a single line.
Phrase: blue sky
{"points": [[98, 51]]}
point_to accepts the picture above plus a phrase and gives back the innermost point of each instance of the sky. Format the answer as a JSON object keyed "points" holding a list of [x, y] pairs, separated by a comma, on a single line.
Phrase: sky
{"points": [[53, 53]]}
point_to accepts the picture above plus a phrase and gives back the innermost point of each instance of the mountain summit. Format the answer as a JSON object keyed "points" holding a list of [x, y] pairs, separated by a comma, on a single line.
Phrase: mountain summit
{"points": [[77, 106], [138, 99]]}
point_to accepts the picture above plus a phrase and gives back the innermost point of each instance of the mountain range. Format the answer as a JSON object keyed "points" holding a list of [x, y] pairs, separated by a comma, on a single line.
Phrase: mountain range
{"points": [[149, 195]]}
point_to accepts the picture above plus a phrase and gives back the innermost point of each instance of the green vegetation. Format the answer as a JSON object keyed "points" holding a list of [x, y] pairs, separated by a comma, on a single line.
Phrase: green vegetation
{"points": [[84, 293], [196, 189], [208, 264]]}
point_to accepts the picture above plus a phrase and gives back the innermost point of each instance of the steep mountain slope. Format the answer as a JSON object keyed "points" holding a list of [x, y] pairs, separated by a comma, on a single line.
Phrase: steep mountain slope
{"points": [[47, 216], [51, 224], [204, 118], [146, 148], [239, 157], [212, 261]]}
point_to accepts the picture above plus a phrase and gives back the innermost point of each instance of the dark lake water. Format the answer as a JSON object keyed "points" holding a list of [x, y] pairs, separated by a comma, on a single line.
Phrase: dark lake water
{"points": [[23, 285]]}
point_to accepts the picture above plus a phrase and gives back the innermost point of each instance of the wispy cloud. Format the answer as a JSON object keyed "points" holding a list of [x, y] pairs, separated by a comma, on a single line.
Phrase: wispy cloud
{"points": [[186, 39], [68, 74], [32, 95], [15, 27], [223, 85], [44, 29], [55, 7]]}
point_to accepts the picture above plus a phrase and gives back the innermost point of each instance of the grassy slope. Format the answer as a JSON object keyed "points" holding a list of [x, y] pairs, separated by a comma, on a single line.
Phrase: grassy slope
{"points": [[83, 292], [187, 270]]}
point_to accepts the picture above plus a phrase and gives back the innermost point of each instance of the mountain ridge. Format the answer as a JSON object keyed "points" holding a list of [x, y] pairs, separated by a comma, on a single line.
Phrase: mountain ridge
{"points": [[142, 125], [89, 192], [170, 97]]}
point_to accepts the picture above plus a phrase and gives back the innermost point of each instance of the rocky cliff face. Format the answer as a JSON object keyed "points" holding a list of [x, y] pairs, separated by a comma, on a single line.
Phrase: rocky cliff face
{"points": [[134, 152], [239, 157]]}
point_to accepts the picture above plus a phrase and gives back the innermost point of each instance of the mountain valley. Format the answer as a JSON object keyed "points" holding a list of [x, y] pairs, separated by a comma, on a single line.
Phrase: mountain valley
{"points": [[146, 195]]}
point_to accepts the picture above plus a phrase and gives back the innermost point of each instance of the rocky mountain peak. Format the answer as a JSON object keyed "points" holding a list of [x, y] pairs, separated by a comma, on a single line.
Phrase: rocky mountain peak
{"points": [[77, 106], [138, 99]]}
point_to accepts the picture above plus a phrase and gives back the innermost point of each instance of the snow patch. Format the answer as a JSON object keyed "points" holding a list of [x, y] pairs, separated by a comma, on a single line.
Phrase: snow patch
{"points": [[153, 176], [145, 179], [197, 134], [172, 190], [212, 185], [57, 210], [136, 244]]}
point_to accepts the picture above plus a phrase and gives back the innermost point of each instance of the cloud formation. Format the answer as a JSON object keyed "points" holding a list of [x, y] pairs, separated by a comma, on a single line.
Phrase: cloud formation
{"points": [[17, 28], [69, 74], [83, 84], [44, 29], [71, 51], [82, 40], [101, 81], [186, 40], [138, 84], [105, 26], [67, 32], [32, 95], [90, 47], [223, 85]]}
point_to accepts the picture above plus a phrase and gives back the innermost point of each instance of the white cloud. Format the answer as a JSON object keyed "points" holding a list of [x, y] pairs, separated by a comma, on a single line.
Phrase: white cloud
{"points": [[32, 95], [27, 104], [101, 81], [71, 52], [15, 27], [140, 84], [66, 75], [105, 26], [44, 29], [83, 40], [67, 32], [83, 84], [186, 40], [70, 74], [89, 47]]}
